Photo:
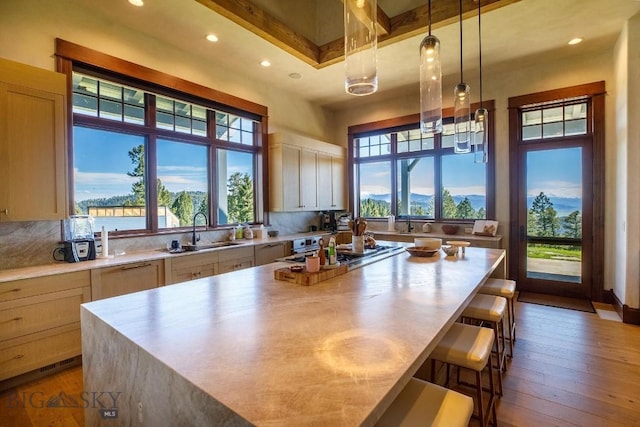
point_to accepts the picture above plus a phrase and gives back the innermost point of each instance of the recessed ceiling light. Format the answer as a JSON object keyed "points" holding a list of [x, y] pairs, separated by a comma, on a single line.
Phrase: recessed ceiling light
{"points": [[212, 38], [295, 76], [575, 41], [137, 2], [265, 63]]}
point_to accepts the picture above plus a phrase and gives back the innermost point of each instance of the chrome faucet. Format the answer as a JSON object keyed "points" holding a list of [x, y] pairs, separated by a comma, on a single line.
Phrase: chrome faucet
{"points": [[195, 239]]}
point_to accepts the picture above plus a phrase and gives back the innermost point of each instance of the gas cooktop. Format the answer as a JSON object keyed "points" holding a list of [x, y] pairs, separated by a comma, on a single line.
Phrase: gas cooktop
{"points": [[353, 259]]}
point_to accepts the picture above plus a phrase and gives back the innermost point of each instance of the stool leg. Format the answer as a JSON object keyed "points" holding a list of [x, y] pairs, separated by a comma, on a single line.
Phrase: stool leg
{"points": [[510, 321], [492, 398], [479, 396], [499, 364]]}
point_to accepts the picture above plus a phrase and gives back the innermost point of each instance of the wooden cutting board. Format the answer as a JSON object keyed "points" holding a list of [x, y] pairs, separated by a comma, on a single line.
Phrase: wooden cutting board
{"points": [[305, 278]]}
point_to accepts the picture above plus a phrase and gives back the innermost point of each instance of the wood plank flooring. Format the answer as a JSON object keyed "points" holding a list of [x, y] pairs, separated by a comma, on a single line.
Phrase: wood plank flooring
{"points": [[570, 368]]}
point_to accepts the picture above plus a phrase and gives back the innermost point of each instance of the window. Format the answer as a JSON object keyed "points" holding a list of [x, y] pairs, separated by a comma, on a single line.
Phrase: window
{"points": [[398, 171], [127, 138]]}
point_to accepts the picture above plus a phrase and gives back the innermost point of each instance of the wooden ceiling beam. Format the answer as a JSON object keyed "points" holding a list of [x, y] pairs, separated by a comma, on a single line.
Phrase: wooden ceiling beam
{"points": [[391, 29]]}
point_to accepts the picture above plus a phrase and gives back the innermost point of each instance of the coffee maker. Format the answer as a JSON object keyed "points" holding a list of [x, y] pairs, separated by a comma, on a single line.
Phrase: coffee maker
{"points": [[328, 221], [79, 243]]}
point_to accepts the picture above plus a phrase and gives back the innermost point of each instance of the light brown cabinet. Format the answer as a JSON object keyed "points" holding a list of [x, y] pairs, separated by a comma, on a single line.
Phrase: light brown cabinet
{"points": [[191, 267], [268, 252], [305, 174], [40, 320], [331, 183], [33, 153], [235, 259], [124, 279]]}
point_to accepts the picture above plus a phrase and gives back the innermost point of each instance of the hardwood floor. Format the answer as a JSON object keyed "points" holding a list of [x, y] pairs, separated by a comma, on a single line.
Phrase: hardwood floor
{"points": [[570, 368]]}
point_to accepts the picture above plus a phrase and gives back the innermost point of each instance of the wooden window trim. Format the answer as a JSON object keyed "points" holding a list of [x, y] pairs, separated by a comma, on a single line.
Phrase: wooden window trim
{"points": [[398, 123]]}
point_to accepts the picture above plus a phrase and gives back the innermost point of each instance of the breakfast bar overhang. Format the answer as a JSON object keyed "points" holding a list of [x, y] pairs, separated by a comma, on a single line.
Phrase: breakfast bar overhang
{"points": [[245, 349]]}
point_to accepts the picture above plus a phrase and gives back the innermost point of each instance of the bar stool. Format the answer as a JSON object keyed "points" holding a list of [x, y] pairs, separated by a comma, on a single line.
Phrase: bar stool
{"points": [[506, 289], [469, 347], [490, 309], [424, 404]]}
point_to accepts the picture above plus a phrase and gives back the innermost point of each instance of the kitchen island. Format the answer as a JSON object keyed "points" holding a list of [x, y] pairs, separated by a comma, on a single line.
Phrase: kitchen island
{"points": [[245, 349]]}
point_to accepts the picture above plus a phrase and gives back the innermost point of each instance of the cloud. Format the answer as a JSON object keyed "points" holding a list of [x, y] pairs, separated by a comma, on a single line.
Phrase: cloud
{"points": [[557, 189]]}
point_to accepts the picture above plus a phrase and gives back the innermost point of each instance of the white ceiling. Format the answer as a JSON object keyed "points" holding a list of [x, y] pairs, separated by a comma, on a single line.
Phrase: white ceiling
{"points": [[512, 35]]}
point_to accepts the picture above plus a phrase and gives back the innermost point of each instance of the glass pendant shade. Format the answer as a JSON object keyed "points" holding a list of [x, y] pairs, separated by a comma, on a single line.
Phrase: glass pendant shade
{"points": [[430, 86], [480, 136], [461, 119], [360, 45]]}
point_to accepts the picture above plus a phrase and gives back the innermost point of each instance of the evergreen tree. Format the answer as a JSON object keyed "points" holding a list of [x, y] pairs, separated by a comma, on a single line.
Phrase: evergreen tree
{"points": [[482, 213], [204, 205], [572, 224], [371, 208], [449, 209], [136, 154], [464, 210], [183, 208], [547, 222], [430, 212], [240, 198]]}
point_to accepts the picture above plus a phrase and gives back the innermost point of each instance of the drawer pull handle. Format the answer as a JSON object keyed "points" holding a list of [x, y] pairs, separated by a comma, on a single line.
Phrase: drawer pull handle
{"points": [[5, 211], [11, 290], [146, 264], [18, 356], [16, 319]]}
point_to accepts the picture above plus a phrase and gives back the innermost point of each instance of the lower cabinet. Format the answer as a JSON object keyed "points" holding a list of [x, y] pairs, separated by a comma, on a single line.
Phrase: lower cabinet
{"points": [[268, 252], [235, 259], [40, 320], [124, 279], [191, 267]]}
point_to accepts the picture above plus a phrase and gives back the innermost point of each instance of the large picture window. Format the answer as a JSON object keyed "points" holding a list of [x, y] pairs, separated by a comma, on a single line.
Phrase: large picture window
{"points": [[398, 171], [143, 160]]}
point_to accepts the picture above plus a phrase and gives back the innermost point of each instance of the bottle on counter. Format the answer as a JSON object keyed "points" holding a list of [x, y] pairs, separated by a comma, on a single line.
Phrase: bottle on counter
{"points": [[247, 232], [333, 256], [322, 254]]}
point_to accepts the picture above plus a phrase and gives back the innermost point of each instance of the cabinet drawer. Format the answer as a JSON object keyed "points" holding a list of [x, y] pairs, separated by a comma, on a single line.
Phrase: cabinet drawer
{"points": [[29, 315], [196, 260], [267, 253], [235, 253], [119, 280], [236, 264], [192, 273], [42, 285], [19, 356]]}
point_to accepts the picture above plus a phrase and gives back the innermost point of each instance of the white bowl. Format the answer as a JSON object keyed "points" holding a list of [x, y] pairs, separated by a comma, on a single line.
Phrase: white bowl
{"points": [[428, 242]]}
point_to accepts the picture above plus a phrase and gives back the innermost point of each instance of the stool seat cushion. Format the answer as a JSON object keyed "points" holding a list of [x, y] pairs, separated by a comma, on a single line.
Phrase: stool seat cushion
{"points": [[486, 307], [424, 404], [465, 345], [499, 287]]}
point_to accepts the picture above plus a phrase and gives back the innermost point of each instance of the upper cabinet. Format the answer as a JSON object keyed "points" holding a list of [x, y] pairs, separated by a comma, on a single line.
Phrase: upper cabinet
{"points": [[305, 174], [33, 149]]}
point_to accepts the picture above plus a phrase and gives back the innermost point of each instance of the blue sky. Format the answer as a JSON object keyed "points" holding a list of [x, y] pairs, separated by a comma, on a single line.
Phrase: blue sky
{"points": [[101, 163], [555, 172], [461, 176]]}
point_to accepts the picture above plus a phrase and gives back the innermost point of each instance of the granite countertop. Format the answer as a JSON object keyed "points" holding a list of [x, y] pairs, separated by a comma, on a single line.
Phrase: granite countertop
{"points": [[268, 352], [130, 257], [443, 236]]}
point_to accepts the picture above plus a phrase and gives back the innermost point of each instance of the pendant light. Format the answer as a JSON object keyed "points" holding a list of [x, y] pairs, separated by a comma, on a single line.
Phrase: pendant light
{"points": [[430, 83], [481, 115], [461, 109], [360, 44]]}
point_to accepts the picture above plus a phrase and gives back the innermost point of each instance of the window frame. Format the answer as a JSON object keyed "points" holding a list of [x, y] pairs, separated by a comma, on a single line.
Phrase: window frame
{"points": [[411, 122], [74, 58]]}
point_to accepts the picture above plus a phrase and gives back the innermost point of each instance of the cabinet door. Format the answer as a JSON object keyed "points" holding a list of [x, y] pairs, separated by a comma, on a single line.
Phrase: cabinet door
{"points": [[125, 279], [267, 253], [338, 183], [235, 265], [309, 179], [291, 175], [33, 154], [325, 175]]}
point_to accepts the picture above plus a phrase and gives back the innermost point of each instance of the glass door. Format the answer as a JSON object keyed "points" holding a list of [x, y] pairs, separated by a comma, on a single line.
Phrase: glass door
{"points": [[554, 214]]}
